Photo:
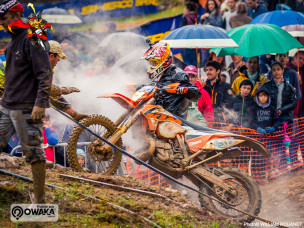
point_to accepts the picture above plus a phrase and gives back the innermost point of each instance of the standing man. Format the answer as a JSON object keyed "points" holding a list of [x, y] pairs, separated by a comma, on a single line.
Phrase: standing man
{"points": [[56, 98], [28, 79], [220, 92], [255, 9], [253, 73], [232, 6], [290, 76]]}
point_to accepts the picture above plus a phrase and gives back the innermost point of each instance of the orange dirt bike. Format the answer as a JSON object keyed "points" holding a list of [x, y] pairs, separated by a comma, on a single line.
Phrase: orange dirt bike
{"points": [[176, 147]]}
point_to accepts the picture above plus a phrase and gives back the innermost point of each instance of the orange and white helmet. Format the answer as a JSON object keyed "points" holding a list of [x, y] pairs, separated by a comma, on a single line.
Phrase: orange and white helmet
{"points": [[160, 58]]}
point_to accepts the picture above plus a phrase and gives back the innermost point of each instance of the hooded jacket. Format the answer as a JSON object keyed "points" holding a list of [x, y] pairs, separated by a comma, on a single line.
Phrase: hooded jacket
{"points": [[263, 115], [242, 107], [244, 75], [177, 104], [28, 74]]}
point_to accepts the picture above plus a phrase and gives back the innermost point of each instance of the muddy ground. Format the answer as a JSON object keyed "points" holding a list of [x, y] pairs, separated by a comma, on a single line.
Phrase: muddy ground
{"points": [[171, 209], [283, 201]]}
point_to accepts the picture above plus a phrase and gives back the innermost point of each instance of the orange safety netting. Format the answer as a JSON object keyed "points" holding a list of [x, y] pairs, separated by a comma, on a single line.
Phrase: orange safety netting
{"points": [[252, 162]]}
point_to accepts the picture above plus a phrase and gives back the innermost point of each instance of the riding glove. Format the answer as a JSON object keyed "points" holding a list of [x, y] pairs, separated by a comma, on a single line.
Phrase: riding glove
{"points": [[68, 90]]}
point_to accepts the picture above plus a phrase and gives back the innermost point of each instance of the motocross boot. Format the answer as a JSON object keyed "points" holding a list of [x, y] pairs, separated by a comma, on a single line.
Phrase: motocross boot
{"points": [[38, 171]]}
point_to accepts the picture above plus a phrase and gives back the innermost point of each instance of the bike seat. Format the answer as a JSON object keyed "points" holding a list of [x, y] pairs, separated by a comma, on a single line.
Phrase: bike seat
{"points": [[196, 126]]}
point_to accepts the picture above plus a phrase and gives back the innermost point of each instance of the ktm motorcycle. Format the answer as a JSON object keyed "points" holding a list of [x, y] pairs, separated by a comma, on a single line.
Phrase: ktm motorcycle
{"points": [[176, 147]]}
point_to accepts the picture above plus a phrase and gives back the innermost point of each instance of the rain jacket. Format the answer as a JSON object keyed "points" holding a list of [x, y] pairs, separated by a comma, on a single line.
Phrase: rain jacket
{"points": [[204, 104], [177, 104], [242, 107], [244, 75], [28, 74], [50, 137], [289, 100], [221, 97], [263, 115]]}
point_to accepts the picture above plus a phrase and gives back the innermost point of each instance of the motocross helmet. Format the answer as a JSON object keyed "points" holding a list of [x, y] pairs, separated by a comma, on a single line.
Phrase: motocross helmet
{"points": [[160, 58]]}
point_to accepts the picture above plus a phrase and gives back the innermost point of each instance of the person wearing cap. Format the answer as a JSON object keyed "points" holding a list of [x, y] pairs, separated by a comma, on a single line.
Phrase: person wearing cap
{"points": [[28, 80], [253, 73], [282, 94], [220, 92], [200, 112], [56, 99]]}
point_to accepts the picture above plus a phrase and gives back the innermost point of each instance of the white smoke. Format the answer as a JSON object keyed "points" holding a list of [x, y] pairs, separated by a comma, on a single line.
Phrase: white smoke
{"points": [[116, 80]]}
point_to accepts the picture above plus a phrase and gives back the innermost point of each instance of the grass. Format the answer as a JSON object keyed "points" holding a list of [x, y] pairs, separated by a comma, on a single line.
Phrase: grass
{"points": [[131, 21]]}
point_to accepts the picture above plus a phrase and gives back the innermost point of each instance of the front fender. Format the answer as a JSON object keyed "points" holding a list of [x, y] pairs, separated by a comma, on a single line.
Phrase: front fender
{"points": [[124, 101]]}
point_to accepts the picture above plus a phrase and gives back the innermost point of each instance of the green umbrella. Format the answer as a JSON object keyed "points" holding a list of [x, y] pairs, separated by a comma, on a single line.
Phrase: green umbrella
{"points": [[258, 39]]}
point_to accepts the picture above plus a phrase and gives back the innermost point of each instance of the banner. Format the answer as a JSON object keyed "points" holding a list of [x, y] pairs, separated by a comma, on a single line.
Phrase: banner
{"points": [[158, 29], [91, 10]]}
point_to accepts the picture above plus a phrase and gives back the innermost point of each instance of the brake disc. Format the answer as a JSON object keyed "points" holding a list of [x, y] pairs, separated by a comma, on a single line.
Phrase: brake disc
{"points": [[97, 151]]}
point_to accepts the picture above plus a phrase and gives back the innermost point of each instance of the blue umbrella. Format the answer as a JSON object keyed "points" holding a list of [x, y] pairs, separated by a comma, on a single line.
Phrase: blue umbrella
{"points": [[280, 18], [198, 36]]}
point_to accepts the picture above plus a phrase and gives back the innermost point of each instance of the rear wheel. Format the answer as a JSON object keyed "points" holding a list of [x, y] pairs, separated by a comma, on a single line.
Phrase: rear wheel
{"points": [[97, 159], [246, 198]]}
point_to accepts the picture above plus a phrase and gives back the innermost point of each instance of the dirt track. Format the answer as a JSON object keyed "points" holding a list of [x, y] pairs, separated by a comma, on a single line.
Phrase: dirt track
{"points": [[283, 199]]}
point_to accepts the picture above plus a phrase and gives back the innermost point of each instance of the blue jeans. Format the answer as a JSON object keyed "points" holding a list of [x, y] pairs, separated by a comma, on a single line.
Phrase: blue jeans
{"points": [[29, 133]]}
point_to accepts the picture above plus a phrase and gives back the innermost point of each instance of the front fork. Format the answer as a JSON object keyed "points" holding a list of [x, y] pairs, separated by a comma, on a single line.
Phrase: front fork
{"points": [[124, 127]]}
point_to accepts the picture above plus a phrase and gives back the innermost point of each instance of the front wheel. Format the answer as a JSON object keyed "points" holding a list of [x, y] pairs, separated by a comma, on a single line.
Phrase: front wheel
{"points": [[95, 158], [247, 198]]}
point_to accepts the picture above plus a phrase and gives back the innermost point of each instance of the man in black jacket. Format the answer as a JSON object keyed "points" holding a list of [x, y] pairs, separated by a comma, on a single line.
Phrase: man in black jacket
{"points": [[220, 92], [174, 99], [28, 79]]}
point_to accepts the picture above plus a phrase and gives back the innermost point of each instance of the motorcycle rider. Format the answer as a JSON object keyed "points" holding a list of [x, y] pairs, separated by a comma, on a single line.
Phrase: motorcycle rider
{"points": [[161, 70]]}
